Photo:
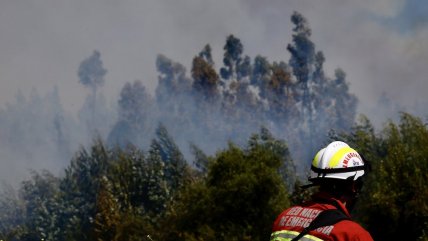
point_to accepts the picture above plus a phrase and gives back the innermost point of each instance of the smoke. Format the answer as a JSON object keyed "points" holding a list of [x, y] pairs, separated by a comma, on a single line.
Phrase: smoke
{"points": [[381, 45]]}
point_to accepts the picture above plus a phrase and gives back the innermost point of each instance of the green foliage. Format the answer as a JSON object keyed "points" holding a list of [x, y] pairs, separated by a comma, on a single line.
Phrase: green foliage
{"points": [[393, 204], [105, 194], [127, 179], [79, 188], [41, 205], [174, 164], [123, 194], [239, 197]]}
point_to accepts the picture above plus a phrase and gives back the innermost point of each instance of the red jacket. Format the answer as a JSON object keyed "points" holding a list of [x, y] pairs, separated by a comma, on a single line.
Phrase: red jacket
{"points": [[298, 217]]}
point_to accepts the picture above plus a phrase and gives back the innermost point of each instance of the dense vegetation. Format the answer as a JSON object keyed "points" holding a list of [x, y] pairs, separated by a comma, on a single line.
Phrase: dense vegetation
{"points": [[258, 120], [125, 194]]}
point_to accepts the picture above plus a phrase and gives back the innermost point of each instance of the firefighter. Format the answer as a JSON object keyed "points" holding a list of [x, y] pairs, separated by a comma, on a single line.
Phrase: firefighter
{"points": [[337, 170]]}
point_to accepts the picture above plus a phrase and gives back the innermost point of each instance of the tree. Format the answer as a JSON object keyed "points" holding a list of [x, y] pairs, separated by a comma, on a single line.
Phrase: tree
{"points": [[206, 55], [91, 72], [239, 102], [232, 59], [174, 98], [205, 91], [158, 186], [80, 187], [135, 110], [42, 206], [128, 174], [345, 103], [205, 81], [280, 95], [175, 166], [200, 159], [108, 216], [279, 149], [324, 102], [173, 84], [393, 203], [241, 194], [132, 196], [261, 73], [302, 59], [12, 214]]}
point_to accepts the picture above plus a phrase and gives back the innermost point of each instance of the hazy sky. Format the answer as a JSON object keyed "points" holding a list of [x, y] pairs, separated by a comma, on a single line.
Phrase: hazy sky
{"points": [[382, 45]]}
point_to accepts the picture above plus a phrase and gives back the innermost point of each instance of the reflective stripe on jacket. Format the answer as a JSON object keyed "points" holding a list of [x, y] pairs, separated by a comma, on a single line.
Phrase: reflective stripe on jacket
{"points": [[286, 235]]}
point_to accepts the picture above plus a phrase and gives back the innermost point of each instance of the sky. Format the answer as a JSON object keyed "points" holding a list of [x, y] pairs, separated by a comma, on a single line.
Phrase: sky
{"points": [[380, 44]]}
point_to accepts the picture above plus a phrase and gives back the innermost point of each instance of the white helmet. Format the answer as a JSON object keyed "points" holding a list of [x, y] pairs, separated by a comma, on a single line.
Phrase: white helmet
{"points": [[337, 161]]}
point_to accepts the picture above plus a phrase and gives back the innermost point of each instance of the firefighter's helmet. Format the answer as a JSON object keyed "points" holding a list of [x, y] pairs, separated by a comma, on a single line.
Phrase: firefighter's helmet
{"points": [[337, 161]]}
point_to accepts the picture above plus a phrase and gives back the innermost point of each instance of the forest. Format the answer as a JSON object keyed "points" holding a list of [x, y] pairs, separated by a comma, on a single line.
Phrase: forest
{"points": [[213, 154]]}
